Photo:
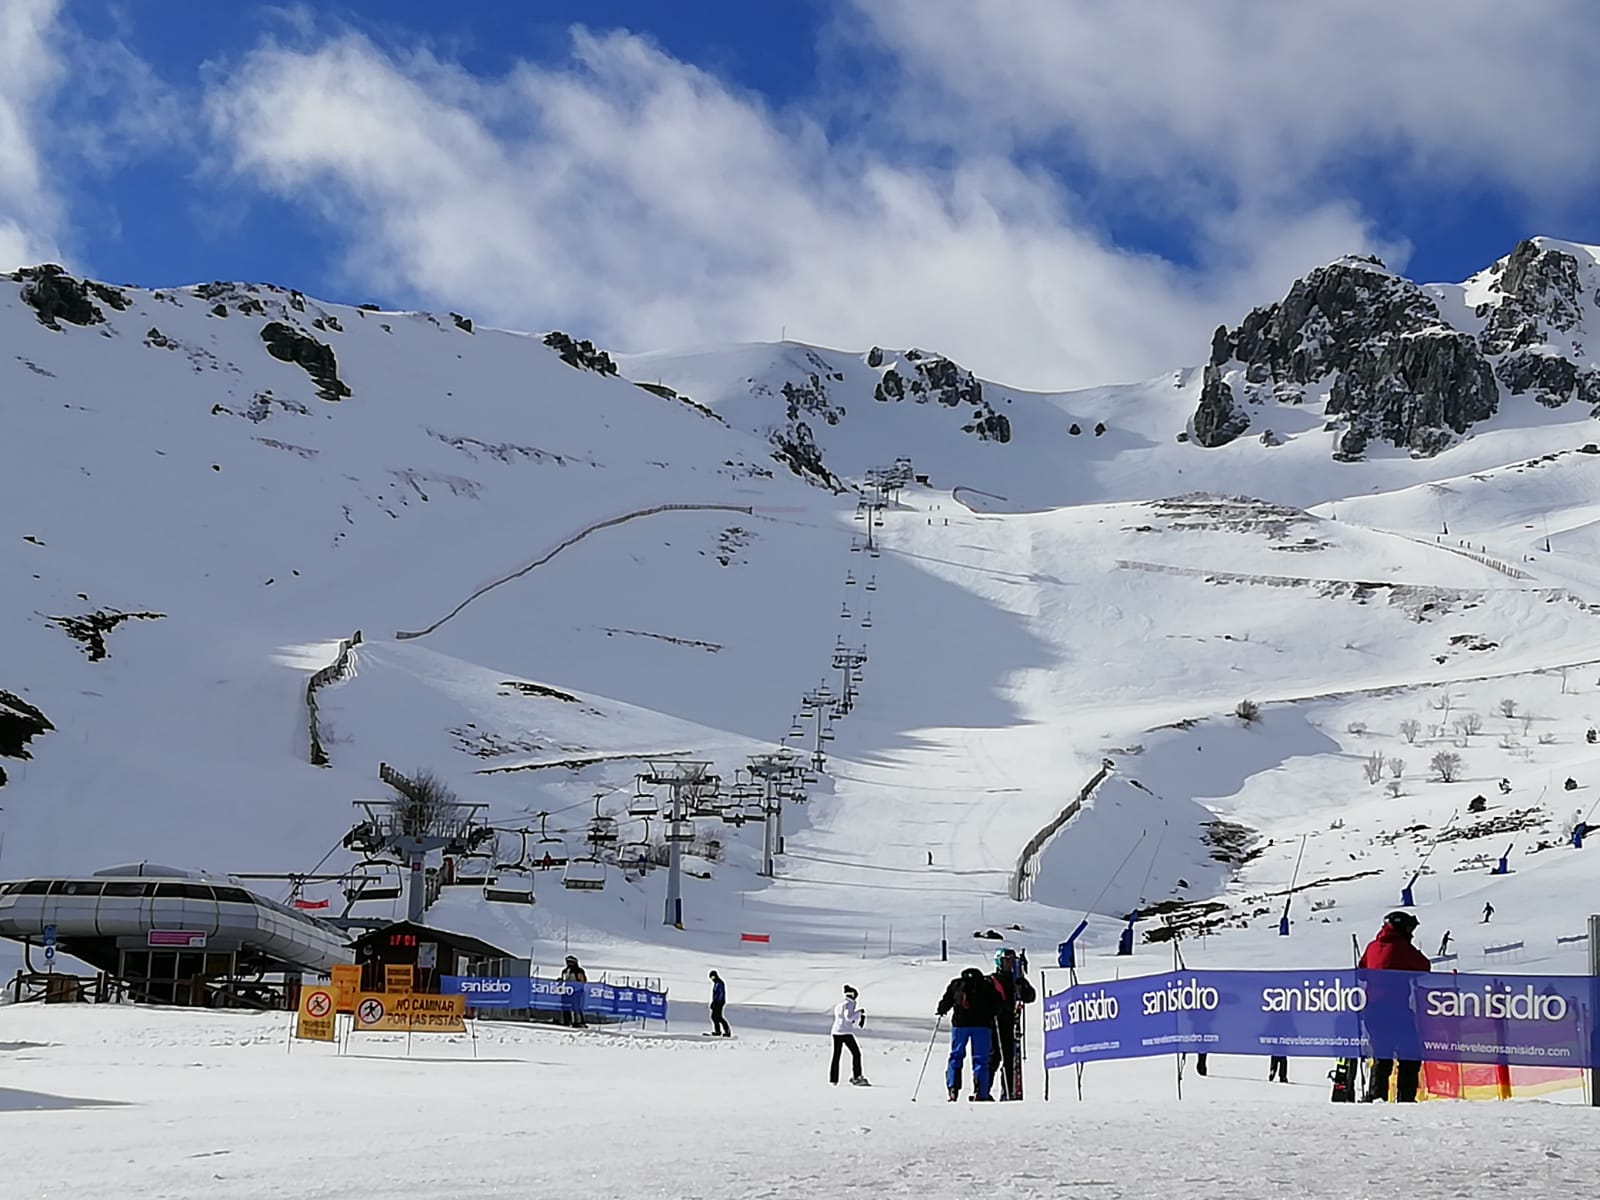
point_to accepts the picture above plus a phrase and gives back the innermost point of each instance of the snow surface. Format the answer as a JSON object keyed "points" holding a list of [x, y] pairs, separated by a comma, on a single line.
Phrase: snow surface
{"points": [[1042, 606]]}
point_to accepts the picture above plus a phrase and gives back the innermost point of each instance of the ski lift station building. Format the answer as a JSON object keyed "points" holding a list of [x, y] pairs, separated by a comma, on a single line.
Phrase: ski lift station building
{"points": [[168, 935]]}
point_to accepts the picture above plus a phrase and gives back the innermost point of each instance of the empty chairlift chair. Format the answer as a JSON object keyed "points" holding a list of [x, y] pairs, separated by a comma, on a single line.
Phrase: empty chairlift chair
{"points": [[513, 885], [584, 875]]}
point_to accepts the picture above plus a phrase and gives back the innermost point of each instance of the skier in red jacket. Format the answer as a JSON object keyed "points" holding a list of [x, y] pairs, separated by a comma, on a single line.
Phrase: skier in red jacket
{"points": [[1392, 1027]]}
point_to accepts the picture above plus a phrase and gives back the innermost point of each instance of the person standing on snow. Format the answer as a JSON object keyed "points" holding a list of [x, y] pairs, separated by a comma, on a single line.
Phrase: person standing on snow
{"points": [[1391, 1025], [847, 1018], [973, 1003], [572, 1008], [719, 998], [1015, 991], [1488, 911]]}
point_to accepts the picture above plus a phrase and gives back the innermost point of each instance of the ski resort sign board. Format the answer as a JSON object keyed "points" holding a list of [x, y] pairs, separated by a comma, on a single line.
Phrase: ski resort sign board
{"points": [[409, 1012], [1518, 1020]]}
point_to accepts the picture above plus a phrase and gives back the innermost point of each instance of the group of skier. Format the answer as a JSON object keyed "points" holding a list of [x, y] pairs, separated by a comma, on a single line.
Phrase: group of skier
{"points": [[985, 1020], [985, 1012]]}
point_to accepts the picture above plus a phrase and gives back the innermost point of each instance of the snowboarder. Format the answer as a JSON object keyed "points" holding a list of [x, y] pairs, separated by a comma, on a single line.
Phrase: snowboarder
{"points": [[1015, 991], [719, 997], [1278, 1069], [1391, 1026], [572, 1005], [847, 1018], [1488, 911], [972, 1002], [1444, 944]]}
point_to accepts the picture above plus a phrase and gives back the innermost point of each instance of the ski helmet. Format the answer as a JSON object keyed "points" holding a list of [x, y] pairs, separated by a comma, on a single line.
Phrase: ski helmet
{"points": [[849, 991], [1000, 956], [1401, 920]]}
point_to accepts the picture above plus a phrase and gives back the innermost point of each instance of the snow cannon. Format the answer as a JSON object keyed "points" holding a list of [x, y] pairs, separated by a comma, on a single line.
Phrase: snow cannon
{"points": [[1503, 867], [1067, 951]]}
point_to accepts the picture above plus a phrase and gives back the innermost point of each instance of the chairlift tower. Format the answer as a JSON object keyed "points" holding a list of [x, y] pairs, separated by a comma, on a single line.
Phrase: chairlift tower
{"points": [[777, 772], [848, 660], [413, 826], [820, 704], [680, 777]]}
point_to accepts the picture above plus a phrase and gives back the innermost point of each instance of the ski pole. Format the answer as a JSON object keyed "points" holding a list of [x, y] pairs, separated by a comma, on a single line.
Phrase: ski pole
{"points": [[926, 1057]]}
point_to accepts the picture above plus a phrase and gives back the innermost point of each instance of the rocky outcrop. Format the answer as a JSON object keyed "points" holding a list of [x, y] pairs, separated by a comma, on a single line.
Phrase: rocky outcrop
{"points": [[934, 377], [1537, 323], [584, 355], [20, 723], [1393, 369], [798, 450], [290, 345], [56, 296]]}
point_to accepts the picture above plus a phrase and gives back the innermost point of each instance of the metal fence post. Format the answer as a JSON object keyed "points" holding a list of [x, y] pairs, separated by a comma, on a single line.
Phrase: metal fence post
{"points": [[1594, 1011]]}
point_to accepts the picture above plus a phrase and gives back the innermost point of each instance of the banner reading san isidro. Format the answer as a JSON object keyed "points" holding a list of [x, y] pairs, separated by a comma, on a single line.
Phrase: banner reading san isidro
{"points": [[1518, 1020], [557, 995]]}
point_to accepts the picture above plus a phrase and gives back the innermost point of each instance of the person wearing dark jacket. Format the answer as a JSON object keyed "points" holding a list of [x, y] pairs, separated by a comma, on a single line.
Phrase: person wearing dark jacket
{"points": [[1015, 991], [572, 1008], [972, 1002], [719, 998], [1391, 1025]]}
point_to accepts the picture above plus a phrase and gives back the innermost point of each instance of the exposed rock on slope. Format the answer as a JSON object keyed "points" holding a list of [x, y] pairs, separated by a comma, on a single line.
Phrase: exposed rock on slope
{"points": [[1391, 365], [289, 345], [1389, 362]]}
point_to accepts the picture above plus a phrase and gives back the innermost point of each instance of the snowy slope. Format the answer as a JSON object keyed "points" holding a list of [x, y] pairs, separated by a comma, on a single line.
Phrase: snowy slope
{"points": [[1049, 601]]}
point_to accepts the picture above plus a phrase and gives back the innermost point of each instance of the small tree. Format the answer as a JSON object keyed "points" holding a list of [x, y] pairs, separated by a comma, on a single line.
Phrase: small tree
{"points": [[1470, 723], [1372, 766], [1247, 711], [1397, 767], [1508, 708], [1527, 723], [1446, 765], [1409, 728], [1477, 804], [1395, 787]]}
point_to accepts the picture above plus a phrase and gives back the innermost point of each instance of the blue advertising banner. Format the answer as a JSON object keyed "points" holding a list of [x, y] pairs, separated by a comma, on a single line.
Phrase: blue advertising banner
{"points": [[556, 995], [1517, 1020]]}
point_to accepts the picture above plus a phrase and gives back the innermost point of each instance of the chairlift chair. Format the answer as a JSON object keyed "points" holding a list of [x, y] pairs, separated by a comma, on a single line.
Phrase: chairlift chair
{"points": [[602, 829], [866, 621], [473, 869], [844, 612], [849, 579], [391, 887], [872, 584], [550, 850], [513, 886], [643, 803], [584, 875]]}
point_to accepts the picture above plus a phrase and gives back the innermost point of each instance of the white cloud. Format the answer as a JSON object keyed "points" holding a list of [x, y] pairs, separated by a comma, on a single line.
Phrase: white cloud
{"points": [[29, 68], [639, 200], [1268, 99]]}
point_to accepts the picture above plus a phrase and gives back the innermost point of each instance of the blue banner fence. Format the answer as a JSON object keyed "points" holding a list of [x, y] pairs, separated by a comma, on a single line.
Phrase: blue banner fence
{"points": [[621, 1003], [1516, 1020]]}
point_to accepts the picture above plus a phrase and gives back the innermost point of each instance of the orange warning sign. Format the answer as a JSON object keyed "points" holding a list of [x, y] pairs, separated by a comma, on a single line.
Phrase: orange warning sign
{"points": [[315, 1020], [346, 984], [410, 1012], [399, 977]]}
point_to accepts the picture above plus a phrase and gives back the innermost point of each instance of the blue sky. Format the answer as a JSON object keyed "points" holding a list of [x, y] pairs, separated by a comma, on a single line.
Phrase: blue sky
{"points": [[1061, 192]]}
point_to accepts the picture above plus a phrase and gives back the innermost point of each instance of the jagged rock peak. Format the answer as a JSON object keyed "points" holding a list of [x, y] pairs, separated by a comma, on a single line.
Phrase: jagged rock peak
{"points": [[1374, 343]]}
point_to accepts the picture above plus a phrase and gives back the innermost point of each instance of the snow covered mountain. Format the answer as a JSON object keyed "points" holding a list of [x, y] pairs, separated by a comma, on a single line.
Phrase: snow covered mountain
{"points": [[562, 564], [1384, 359]]}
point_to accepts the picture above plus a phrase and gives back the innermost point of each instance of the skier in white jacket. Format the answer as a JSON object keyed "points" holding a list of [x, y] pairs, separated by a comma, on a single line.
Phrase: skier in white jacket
{"points": [[847, 1018]]}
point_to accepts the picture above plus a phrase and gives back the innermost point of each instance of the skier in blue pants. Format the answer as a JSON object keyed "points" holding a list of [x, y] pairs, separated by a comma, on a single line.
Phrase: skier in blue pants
{"points": [[973, 1003]]}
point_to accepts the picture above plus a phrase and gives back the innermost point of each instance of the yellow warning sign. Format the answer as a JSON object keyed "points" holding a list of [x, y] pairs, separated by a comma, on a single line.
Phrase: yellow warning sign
{"points": [[346, 985], [399, 977], [412, 1012], [315, 1021]]}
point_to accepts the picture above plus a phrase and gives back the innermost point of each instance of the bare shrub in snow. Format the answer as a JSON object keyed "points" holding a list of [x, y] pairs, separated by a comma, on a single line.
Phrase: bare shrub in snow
{"points": [[1395, 787], [1409, 728], [1356, 727], [1397, 767], [1547, 739], [1247, 711], [1446, 765], [1508, 708], [1372, 766], [1527, 723], [1468, 724]]}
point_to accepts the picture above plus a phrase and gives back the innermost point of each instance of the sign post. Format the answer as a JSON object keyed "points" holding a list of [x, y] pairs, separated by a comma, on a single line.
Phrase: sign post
{"points": [[399, 977], [50, 950], [315, 1021], [1594, 1010]]}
